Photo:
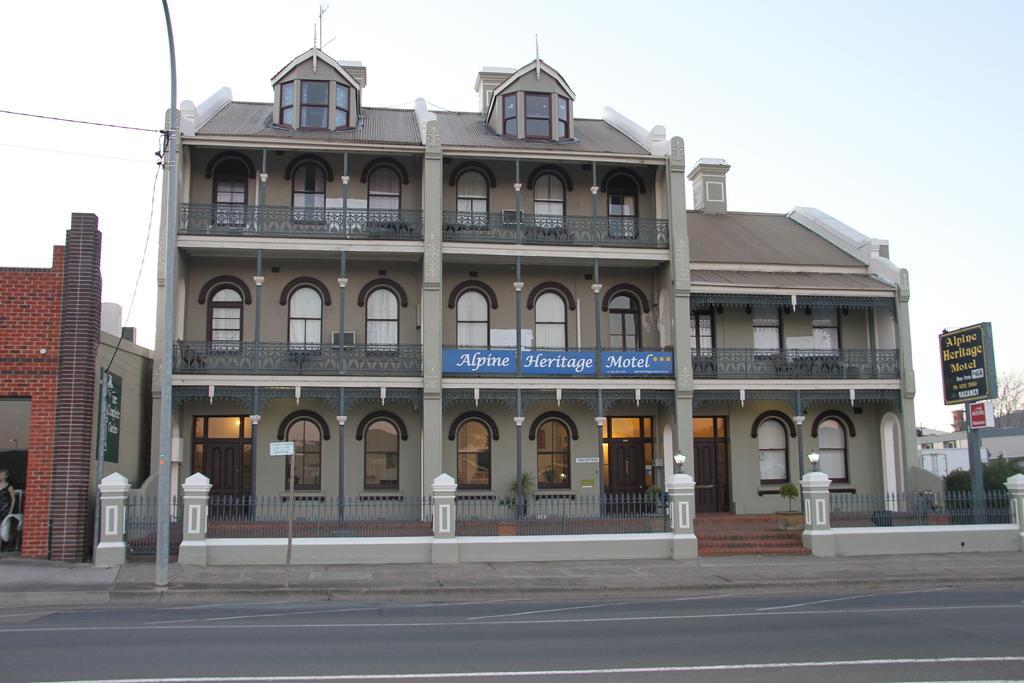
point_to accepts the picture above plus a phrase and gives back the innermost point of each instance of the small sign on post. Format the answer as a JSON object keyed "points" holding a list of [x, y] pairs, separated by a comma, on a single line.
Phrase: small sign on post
{"points": [[981, 415], [279, 449]]}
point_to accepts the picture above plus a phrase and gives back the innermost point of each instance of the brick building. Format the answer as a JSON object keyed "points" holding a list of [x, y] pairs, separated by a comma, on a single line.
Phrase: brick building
{"points": [[49, 330]]}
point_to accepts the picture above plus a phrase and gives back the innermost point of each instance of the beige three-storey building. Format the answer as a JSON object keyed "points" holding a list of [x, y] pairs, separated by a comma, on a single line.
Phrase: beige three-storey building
{"points": [[406, 293]]}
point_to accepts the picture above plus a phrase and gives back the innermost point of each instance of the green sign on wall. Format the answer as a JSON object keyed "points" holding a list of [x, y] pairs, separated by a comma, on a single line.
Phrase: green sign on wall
{"points": [[113, 421]]}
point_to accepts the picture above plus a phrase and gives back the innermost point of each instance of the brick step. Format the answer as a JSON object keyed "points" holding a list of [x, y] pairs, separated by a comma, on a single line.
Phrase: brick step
{"points": [[726, 518], [740, 542], [751, 538], [727, 552]]}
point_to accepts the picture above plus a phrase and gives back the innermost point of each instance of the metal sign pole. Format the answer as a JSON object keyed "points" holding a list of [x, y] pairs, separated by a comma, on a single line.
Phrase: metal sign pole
{"points": [[975, 468], [101, 455], [291, 515]]}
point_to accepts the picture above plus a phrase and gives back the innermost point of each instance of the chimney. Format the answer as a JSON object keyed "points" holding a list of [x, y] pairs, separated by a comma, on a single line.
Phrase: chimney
{"points": [[357, 71], [489, 78], [110, 318], [708, 178]]}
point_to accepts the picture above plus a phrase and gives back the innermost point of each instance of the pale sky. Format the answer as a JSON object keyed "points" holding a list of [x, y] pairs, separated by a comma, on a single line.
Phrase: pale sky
{"points": [[903, 120]]}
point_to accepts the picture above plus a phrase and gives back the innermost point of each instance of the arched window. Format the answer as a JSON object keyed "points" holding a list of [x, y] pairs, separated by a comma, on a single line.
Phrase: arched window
{"points": [[832, 447], [224, 319], [382, 318], [305, 319], [471, 193], [473, 444], [548, 196], [553, 455], [309, 193], [305, 434], [772, 448], [472, 320], [624, 322], [622, 210], [230, 185], [384, 191], [380, 456], [550, 327]]}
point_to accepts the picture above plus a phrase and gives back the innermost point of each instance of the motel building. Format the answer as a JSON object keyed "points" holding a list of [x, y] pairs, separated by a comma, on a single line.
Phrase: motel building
{"points": [[404, 293]]}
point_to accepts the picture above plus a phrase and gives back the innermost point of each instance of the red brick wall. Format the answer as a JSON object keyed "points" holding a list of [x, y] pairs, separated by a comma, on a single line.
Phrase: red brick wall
{"points": [[30, 307]]}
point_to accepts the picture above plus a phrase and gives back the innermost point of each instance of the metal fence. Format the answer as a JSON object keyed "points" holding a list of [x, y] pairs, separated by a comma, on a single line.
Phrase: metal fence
{"points": [[206, 357], [140, 518], [742, 363], [319, 516], [288, 221], [531, 228], [559, 514], [918, 509]]}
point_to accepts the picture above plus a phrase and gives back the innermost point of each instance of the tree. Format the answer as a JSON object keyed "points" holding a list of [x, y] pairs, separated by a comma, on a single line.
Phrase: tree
{"points": [[995, 472], [1008, 407]]}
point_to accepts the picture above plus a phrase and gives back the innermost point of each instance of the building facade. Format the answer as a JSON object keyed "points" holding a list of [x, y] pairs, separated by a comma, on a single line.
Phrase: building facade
{"points": [[510, 291]]}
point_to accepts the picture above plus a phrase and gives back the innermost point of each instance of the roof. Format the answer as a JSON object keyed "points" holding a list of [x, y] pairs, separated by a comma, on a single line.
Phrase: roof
{"points": [[763, 238], [762, 280], [399, 127], [383, 126]]}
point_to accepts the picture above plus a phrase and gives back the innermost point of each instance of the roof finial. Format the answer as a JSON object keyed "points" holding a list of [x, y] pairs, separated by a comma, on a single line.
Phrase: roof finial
{"points": [[536, 45]]}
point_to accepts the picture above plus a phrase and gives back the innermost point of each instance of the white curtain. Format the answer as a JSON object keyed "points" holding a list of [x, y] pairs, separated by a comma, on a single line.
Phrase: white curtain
{"points": [[550, 317], [471, 313], [832, 447], [304, 312], [382, 318], [771, 446]]}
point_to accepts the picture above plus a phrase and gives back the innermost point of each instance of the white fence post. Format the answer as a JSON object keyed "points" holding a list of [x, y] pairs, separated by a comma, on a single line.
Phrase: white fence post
{"points": [[445, 547], [112, 550], [1015, 485], [681, 502], [195, 511], [818, 534]]}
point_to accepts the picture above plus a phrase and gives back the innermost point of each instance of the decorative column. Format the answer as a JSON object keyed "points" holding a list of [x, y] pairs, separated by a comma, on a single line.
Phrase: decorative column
{"points": [[342, 285], [112, 550], [433, 313], [519, 419], [196, 494], [680, 255], [518, 286], [258, 280], [908, 427], [600, 420], [1015, 485], [445, 548], [342, 419], [681, 506], [596, 287], [817, 503], [255, 419]]}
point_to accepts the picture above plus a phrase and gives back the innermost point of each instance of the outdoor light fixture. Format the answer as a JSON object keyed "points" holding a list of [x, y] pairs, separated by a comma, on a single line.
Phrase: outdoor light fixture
{"points": [[798, 420], [814, 458], [679, 459]]}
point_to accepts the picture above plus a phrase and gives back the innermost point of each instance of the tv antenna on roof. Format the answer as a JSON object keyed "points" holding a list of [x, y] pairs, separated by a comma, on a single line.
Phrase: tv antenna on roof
{"points": [[536, 45], [318, 34]]}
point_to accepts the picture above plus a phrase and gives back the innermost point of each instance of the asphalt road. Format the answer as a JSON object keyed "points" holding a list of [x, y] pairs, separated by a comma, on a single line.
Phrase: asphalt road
{"points": [[934, 634]]}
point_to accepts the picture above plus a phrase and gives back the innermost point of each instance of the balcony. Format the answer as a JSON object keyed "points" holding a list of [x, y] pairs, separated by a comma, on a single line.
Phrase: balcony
{"points": [[287, 221], [531, 228], [502, 362], [275, 358], [796, 364]]}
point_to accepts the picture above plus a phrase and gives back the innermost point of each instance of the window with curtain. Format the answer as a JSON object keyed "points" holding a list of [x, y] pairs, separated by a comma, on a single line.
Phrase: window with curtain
{"points": [[305, 434], [832, 447], [548, 196], [472, 320], [553, 455], [380, 456], [384, 193], [471, 193], [309, 194], [224, 326], [624, 322], [772, 448], [230, 182], [825, 328], [550, 324], [767, 330], [622, 201], [305, 319], [701, 334], [382, 318], [473, 444]]}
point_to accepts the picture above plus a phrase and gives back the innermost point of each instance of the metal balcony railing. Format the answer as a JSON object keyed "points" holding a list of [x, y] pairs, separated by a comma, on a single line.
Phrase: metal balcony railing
{"points": [[796, 363], [288, 221], [270, 358], [531, 228]]}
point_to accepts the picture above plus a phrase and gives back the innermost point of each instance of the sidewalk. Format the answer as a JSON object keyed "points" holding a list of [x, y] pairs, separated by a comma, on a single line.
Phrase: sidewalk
{"points": [[36, 582]]}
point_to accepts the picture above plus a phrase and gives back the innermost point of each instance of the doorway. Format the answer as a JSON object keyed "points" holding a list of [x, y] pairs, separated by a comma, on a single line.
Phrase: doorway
{"points": [[222, 450], [711, 464], [628, 455]]}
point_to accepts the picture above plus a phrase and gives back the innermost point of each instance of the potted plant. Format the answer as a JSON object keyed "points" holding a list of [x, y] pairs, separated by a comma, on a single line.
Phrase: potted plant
{"points": [[789, 519], [524, 484]]}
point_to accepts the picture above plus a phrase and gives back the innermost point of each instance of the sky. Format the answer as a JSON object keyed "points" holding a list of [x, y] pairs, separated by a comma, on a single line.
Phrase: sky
{"points": [[901, 119]]}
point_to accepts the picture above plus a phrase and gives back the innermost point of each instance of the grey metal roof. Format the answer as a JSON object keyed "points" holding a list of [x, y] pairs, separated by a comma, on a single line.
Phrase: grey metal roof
{"points": [[383, 126], [468, 129], [759, 238], [815, 281]]}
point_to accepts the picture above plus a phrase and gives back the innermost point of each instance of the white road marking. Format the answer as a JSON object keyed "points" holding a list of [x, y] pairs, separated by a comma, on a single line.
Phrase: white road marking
{"points": [[563, 672], [518, 622], [818, 602], [27, 614], [604, 604]]}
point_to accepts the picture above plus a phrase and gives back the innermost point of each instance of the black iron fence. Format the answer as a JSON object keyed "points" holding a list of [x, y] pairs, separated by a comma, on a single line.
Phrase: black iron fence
{"points": [[317, 516], [735, 363], [288, 221], [532, 228], [204, 357], [559, 514], [918, 509], [140, 521]]}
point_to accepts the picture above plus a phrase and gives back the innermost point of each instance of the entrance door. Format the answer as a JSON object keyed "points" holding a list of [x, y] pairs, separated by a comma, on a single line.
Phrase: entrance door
{"points": [[710, 464], [223, 466], [625, 466]]}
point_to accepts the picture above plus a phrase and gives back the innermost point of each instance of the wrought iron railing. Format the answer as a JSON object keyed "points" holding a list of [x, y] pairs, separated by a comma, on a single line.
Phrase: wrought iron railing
{"points": [[277, 358], [140, 522], [919, 509], [319, 516], [724, 363], [288, 221], [552, 513], [532, 228]]}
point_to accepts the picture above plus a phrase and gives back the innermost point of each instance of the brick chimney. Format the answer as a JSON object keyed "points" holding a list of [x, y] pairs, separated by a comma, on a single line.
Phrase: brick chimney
{"points": [[708, 177]]}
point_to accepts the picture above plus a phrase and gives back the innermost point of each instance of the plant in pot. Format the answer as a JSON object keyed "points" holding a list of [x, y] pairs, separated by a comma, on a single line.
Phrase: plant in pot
{"points": [[524, 484], [788, 519]]}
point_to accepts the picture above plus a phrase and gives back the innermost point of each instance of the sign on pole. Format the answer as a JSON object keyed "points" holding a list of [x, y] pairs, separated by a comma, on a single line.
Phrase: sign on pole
{"points": [[968, 364], [279, 448], [113, 424], [981, 415]]}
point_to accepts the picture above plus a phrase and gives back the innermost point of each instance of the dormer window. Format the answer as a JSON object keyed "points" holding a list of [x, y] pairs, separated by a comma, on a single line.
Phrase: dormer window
{"points": [[538, 115], [314, 104], [341, 105], [288, 104], [563, 118], [510, 115]]}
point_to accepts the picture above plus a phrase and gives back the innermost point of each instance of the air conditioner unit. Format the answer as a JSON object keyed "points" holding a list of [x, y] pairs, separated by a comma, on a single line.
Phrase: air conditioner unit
{"points": [[350, 339], [511, 217]]}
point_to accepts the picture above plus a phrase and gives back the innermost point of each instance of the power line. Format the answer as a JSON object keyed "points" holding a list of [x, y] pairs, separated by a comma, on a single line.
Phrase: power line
{"points": [[86, 123], [77, 154]]}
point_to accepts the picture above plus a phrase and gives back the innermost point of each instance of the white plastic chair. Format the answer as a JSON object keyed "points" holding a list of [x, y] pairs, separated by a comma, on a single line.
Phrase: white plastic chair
{"points": [[10, 527]]}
